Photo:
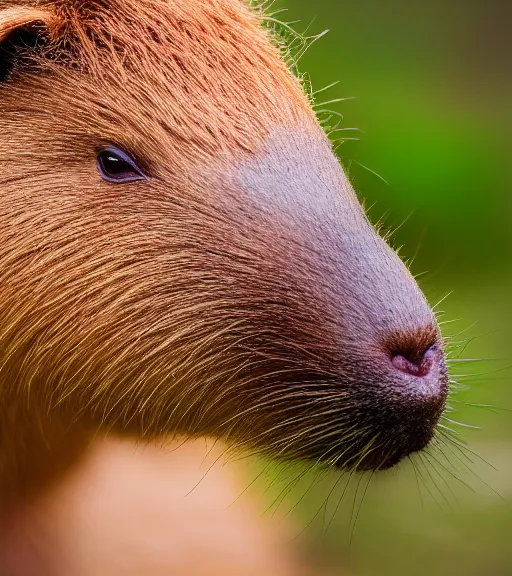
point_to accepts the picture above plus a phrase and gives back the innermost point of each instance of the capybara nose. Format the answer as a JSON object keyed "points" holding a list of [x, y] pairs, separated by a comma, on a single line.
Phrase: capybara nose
{"points": [[417, 362], [417, 365]]}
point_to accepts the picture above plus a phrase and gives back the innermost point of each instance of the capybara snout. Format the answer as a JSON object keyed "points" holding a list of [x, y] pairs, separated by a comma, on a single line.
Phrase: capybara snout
{"points": [[181, 251], [351, 335]]}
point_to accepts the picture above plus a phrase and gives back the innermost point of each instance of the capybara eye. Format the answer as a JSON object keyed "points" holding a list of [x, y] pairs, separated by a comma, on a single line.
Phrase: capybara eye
{"points": [[116, 166]]}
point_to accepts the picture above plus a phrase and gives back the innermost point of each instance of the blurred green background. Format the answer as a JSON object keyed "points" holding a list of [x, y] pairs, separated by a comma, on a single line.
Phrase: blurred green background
{"points": [[432, 83]]}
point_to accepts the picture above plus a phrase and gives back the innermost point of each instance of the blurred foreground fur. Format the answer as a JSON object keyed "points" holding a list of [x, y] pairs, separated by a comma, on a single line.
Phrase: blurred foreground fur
{"points": [[150, 511]]}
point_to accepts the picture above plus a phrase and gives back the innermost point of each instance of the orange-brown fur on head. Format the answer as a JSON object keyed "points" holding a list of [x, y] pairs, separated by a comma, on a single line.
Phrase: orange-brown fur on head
{"points": [[239, 289], [92, 253]]}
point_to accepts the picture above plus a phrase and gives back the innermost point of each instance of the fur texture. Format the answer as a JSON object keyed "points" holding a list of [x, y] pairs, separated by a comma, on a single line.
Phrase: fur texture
{"points": [[239, 291]]}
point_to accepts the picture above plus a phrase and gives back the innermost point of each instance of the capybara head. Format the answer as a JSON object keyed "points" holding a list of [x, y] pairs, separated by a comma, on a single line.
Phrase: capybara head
{"points": [[180, 251]]}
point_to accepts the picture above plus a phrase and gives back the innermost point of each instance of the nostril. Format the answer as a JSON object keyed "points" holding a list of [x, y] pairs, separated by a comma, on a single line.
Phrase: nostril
{"points": [[414, 362]]}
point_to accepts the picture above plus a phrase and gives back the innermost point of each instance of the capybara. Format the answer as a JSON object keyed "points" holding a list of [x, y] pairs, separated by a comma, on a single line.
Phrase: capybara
{"points": [[181, 253]]}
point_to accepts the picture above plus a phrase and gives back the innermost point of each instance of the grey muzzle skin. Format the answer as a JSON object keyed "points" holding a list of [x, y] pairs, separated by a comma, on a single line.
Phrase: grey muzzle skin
{"points": [[350, 327]]}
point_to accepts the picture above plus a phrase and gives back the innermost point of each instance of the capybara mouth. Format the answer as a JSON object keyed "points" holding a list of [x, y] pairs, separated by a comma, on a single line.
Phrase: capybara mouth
{"points": [[372, 421]]}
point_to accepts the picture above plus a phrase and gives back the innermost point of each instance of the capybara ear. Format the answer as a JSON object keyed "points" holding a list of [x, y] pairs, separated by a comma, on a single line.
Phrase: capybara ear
{"points": [[22, 29]]}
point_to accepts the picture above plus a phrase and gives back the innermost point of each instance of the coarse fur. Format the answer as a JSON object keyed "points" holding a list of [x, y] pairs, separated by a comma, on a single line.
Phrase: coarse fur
{"points": [[238, 291]]}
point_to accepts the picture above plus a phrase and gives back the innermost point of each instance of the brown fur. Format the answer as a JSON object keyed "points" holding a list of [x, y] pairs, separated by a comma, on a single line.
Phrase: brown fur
{"points": [[239, 291], [96, 85]]}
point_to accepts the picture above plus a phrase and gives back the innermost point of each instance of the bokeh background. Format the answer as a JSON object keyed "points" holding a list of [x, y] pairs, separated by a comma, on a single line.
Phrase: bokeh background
{"points": [[432, 88]]}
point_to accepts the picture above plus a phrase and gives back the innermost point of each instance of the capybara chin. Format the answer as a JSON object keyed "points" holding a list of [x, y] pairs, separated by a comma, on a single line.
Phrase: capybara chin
{"points": [[181, 253]]}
